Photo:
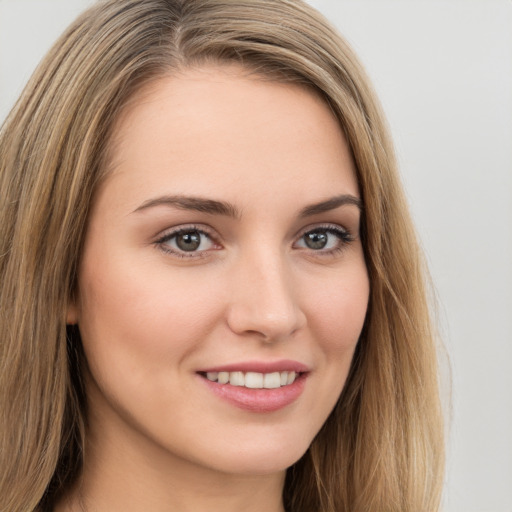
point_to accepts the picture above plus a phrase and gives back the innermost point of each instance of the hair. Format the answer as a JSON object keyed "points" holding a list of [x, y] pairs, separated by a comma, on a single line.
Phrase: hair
{"points": [[382, 448]]}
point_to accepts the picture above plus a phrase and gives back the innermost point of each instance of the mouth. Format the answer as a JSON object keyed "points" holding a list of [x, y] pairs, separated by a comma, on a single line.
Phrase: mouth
{"points": [[253, 380], [257, 387]]}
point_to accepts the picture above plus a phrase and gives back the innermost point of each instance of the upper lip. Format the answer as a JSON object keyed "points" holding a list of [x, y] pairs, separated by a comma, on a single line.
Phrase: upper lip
{"points": [[283, 365]]}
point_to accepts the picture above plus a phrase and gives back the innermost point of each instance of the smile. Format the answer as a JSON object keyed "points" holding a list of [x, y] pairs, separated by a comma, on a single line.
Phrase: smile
{"points": [[257, 386], [254, 380]]}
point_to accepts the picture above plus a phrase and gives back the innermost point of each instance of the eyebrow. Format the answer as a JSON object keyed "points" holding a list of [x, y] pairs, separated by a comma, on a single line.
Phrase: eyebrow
{"points": [[197, 204], [225, 208], [331, 204]]}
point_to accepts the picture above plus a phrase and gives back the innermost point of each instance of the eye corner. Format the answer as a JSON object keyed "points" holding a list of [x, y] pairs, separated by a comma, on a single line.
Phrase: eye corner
{"points": [[325, 239], [197, 242]]}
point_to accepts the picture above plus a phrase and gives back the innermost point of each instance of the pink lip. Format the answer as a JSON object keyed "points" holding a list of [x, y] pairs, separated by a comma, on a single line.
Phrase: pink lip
{"points": [[283, 365], [259, 400]]}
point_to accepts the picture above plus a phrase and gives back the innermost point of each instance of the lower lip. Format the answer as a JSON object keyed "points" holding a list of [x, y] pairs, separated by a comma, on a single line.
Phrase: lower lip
{"points": [[258, 400]]}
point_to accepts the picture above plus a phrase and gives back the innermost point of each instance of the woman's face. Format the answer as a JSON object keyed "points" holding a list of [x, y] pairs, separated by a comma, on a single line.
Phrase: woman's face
{"points": [[223, 286]]}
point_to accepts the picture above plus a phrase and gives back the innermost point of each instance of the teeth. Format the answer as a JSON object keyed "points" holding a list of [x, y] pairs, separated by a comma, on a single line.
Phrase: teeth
{"points": [[223, 378], [237, 379], [272, 380], [253, 380]]}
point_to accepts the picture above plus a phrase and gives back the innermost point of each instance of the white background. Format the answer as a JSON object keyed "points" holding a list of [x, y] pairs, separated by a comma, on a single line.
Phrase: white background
{"points": [[443, 70]]}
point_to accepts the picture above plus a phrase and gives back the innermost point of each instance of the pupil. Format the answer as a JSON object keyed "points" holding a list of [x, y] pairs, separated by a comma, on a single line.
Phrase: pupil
{"points": [[188, 241], [316, 240]]}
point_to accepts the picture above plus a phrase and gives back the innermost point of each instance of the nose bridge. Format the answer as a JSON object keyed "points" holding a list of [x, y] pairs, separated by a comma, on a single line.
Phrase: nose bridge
{"points": [[264, 297]]}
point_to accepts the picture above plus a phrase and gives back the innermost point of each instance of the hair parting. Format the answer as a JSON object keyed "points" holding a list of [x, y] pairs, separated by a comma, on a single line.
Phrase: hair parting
{"points": [[381, 449]]}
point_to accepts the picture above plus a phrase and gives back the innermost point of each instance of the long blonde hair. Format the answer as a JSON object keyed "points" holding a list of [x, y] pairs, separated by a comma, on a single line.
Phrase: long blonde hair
{"points": [[381, 449]]}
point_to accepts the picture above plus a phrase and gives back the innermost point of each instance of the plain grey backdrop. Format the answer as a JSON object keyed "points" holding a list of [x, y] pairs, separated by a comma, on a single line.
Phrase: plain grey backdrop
{"points": [[443, 71]]}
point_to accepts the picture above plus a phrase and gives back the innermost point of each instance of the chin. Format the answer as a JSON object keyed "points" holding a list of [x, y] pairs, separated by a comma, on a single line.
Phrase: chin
{"points": [[261, 458]]}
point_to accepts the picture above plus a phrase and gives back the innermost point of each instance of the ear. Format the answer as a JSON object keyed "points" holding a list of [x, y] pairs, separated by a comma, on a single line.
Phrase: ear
{"points": [[72, 313]]}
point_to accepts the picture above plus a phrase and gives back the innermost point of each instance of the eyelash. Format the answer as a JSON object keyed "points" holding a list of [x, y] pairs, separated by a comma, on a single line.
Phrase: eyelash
{"points": [[162, 242], [344, 238], [343, 235]]}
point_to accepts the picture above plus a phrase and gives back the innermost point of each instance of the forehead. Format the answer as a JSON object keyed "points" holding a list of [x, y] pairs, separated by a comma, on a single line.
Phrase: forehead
{"points": [[220, 128]]}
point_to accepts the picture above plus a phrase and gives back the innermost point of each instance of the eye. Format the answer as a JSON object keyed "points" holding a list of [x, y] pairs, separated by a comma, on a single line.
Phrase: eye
{"points": [[325, 239], [186, 242]]}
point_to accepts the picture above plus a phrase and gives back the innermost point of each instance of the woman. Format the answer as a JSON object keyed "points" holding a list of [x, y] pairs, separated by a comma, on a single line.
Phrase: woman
{"points": [[212, 296]]}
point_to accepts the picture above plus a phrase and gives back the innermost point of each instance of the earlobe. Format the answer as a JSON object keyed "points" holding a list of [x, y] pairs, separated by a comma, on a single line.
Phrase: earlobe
{"points": [[72, 313]]}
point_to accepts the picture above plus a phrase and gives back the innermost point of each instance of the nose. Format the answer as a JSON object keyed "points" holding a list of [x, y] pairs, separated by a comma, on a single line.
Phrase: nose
{"points": [[263, 299]]}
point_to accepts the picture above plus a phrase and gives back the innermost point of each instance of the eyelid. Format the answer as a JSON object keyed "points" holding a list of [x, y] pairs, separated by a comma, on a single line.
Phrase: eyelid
{"points": [[326, 226], [170, 233], [344, 234], [203, 228]]}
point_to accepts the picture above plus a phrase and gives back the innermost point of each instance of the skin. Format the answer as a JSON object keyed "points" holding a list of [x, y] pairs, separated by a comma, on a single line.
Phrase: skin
{"points": [[158, 438]]}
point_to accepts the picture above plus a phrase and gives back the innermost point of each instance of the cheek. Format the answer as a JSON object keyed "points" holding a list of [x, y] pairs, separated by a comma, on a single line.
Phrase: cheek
{"points": [[336, 314], [338, 310], [140, 316]]}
